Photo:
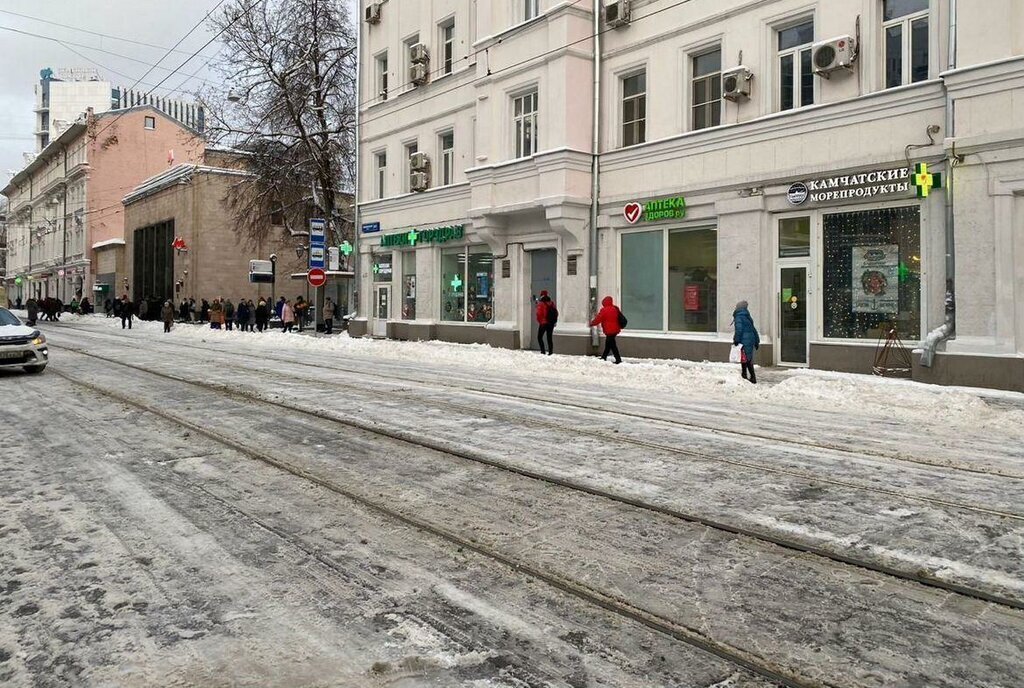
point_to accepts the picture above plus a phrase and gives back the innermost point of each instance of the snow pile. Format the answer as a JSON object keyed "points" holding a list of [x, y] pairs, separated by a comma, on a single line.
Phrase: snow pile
{"points": [[838, 392]]}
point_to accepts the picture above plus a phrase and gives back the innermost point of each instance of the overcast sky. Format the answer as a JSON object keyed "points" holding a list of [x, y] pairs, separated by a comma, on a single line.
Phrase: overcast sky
{"points": [[156, 23]]}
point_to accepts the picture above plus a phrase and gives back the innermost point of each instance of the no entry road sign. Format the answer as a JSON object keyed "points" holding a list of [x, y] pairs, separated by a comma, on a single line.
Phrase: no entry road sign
{"points": [[317, 278]]}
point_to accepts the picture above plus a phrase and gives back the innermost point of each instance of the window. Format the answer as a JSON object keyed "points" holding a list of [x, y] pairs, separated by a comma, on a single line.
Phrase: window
{"points": [[693, 280], [525, 118], [796, 70], [381, 62], [529, 9], [682, 264], [795, 237], [906, 41], [448, 47], [382, 268], [634, 109], [382, 170], [408, 285], [707, 89], [409, 43], [149, 122], [277, 214], [447, 168], [467, 285], [410, 150], [872, 273], [643, 289]]}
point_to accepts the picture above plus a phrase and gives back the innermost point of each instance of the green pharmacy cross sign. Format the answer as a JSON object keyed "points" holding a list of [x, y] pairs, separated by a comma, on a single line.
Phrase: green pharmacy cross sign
{"points": [[457, 283], [376, 269], [413, 237], [346, 249], [924, 181]]}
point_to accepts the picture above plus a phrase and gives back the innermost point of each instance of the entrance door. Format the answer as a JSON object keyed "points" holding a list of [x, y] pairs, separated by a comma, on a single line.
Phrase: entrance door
{"points": [[793, 315], [381, 311], [544, 277]]}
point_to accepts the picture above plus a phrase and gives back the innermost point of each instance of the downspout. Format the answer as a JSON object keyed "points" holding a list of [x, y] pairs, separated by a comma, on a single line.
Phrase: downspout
{"points": [[947, 330], [595, 170], [354, 260]]}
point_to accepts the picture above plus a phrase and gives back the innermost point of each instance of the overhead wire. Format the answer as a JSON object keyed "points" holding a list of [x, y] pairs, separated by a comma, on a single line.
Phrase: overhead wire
{"points": [[88, 31], [67, 44], [188, 59]]}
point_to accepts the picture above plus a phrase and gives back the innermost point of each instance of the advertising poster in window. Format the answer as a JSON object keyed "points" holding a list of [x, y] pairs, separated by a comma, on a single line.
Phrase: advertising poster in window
{"points": [[876, 286], [691, 298]]}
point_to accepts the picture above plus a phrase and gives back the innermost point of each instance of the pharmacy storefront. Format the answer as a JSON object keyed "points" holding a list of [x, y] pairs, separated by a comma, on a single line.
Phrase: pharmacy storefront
{"points": [[850, 265], [429, 283]]}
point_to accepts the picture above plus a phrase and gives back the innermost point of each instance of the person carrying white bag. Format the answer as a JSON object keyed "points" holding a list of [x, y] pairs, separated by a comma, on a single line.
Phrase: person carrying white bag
{"points": [[745, 340]]}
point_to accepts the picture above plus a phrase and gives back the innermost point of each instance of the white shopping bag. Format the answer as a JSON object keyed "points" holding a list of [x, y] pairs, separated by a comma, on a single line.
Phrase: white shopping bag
{"points": [[736, 354]]}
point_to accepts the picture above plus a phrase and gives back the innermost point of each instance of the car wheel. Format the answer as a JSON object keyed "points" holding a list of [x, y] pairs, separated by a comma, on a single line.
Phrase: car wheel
{"points": [[35, 369]]}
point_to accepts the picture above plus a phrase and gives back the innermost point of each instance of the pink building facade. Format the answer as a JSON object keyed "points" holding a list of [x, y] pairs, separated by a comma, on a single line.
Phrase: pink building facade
{"points": [[66, 223]]}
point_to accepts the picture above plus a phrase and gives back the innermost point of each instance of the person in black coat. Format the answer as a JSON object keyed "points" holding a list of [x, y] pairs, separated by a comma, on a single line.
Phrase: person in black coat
{"points": [[746, 334], [127, 311], [262, 315], [32, 306]]}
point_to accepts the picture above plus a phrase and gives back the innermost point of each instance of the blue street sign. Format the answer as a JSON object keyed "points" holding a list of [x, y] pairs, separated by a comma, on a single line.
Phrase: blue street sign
{"points": [[317, 243], [371, 227]]}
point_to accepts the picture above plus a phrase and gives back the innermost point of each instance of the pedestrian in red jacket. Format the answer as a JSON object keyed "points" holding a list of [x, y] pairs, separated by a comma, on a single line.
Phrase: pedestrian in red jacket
{"points": [[611, 320], [547, 318]]}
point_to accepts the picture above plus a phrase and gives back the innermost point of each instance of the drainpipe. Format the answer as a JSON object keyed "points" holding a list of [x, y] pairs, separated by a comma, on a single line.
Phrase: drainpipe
{"points": [[947, 330], [354, 262], [595, 171]]}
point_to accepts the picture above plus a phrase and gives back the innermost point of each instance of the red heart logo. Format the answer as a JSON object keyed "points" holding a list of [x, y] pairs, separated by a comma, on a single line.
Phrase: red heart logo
{"points": [[632, 212]]}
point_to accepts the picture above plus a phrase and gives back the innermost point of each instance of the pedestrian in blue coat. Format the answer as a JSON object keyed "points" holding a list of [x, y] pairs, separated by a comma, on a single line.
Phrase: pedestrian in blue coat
{"points": [[746, 334]]}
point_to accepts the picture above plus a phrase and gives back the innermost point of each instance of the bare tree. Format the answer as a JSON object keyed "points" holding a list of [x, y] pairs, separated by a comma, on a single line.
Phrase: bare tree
{"points": [[288, 101]]}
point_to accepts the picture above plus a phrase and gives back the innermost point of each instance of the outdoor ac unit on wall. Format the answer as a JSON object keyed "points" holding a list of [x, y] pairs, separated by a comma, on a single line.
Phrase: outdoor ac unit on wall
{"points": [[419, 162], [419, 181], [373, 13], [834, 54], [418, 53], [617, 13], [736, 84], [419, 73]]}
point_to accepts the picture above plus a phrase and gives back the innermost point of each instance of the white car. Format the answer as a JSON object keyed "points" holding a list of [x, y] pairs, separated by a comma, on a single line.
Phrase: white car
{"points": [[20, 345]]}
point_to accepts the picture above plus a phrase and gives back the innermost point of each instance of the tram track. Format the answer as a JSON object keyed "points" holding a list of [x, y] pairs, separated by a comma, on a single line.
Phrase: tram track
{"points": [[591, 407], [575, 588], [468, 454], [619, 438]]}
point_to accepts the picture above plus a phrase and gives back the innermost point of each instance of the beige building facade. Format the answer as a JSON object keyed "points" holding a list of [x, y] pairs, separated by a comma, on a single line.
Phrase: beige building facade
{"points": [[190, 203], [853, 170]]}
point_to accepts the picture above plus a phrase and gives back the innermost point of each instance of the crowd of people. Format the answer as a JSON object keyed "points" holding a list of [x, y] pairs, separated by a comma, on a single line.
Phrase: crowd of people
{"points": [[51, 308], [247, 315]]}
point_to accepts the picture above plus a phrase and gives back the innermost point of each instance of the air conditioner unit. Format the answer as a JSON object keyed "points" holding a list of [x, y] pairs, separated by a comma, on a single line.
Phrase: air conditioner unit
{"points": [[419, 162], [419, 73], [373, 13], [736, 84], [419, 181], [834, 54], [617, 13], [418, 53]]}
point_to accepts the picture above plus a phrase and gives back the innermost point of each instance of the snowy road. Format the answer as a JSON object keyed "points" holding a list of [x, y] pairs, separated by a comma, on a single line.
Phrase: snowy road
{"points": [[297, 511]]}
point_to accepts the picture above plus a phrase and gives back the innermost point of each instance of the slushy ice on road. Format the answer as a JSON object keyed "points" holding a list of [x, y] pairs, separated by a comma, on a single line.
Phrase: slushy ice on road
{"points": [[232, 508]]}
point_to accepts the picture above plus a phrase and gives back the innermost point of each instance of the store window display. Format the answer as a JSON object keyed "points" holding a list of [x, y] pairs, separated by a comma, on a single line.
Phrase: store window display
{"points": [[669, 280], [872, 273], [467, 285], [408, 285]]}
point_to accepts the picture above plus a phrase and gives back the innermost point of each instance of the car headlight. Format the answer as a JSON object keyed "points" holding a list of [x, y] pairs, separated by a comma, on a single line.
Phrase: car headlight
{"points": [[39, 340]]}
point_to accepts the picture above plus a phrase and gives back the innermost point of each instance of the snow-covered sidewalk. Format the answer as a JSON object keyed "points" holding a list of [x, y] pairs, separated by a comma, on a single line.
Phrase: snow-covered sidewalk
{"points": [[889, 400]]}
